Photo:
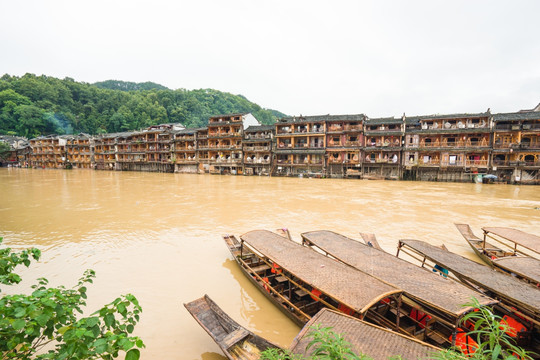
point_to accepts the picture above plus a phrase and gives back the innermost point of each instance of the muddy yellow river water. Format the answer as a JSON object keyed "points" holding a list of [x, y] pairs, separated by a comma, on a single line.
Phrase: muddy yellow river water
{"points": [[158, 236]]}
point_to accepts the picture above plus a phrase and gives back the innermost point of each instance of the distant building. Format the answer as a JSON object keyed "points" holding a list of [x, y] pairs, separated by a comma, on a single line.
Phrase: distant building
{"points": [[454, 147], [19, 153]]}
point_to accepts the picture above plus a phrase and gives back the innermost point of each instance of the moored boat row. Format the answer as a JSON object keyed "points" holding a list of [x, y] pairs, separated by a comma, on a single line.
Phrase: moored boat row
{"points": [[355, 288]]}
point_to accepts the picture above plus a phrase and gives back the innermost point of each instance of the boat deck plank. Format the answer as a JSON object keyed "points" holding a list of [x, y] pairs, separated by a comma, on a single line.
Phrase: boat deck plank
{"points": [[349, 286], [376, 342], [505, 286], [419, 283]]}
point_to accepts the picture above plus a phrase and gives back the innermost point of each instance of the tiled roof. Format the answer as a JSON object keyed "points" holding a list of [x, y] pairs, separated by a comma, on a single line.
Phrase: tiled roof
{"points": [[532, 115], [255, 128], [228, 115], [354, 117], [448, 116], [381, 121]]}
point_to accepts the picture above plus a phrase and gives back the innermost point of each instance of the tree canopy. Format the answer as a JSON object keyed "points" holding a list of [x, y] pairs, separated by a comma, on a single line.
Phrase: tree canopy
{"points": [[33, 105]]}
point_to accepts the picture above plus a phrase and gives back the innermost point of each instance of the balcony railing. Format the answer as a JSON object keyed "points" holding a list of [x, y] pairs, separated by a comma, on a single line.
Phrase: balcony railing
{"points": [[308, 162], [473, 163], [227, 161], [457, 144], [352, 127], [257, 148], [257, 136], [256, 161]]}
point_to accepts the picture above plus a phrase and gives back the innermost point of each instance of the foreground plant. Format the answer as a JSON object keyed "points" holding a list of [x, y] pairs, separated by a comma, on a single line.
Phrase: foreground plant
{"points": [[47, 319], [491, 334], [325, 344]]}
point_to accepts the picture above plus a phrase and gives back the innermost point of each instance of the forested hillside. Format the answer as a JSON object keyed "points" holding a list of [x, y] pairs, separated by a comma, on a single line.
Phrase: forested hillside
{"points": [[39, 105]]}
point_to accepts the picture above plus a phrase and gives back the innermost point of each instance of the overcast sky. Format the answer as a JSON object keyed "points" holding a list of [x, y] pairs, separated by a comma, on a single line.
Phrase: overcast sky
{"points": [[381, 58]]}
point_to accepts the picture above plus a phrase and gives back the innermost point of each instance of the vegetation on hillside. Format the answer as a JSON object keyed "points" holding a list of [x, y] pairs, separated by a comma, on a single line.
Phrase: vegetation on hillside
{"points": [[45, 323], [40, 105], [129, 86]]}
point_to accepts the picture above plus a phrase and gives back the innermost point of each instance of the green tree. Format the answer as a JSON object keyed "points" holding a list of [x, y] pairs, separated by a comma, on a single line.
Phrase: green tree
{"points": [[47, 316], [70, 106], [5, 149], [30, 120]]}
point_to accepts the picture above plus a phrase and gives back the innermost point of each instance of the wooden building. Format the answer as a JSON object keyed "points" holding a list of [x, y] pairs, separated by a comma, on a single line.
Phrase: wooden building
{"points": [[185, 151], [257, 147], [225, 133], [300, 146], [203, 150], [19, 153], [516, 146], [48, 152], [344, 139], [131, 151], [447, 147], [105, 151], [382, 153], [80, 151], [159, 148]]}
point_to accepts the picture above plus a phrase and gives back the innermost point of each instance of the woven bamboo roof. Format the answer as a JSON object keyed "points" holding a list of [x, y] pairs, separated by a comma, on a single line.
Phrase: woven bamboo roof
{"points": [[349, 286], [528, 241], [524, 266], [416, 282], [504, 286], [374, 341]]}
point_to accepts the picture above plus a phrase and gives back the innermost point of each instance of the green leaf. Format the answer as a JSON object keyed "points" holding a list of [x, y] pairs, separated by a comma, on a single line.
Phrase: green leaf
{"points": [[496, 352], [63, 330], [42, 319], [122, 309], [19, 312], [18, 324], [109, 320], [130, 328], [133, 354], [92, 321]]}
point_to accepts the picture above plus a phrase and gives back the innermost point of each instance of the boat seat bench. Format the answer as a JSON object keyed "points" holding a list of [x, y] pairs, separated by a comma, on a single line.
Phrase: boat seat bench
{"points": [[234, 337], [260, 268]]}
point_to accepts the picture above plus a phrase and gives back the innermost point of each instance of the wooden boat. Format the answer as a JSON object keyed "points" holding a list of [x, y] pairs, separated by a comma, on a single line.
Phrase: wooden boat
{"points": [[433, 304], [516, 238], [376, 342], [301, 282], [371, 240], [236, 342], [507, 260], [518, 300]]}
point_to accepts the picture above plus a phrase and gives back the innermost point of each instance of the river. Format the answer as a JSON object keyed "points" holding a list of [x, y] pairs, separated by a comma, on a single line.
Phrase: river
{"points": [[158, 235]]}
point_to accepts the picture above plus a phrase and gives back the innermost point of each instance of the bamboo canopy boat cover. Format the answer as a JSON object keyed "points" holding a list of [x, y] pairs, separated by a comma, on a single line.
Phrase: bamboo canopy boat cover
{"points": [[235, 341], [349, 286], [376, 342], [418, 283], [505, 287], [528, 241], [525, 267]]}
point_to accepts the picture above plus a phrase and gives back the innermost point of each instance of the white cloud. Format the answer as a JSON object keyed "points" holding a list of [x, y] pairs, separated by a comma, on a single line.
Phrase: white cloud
{"points": [[311, 57]]}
